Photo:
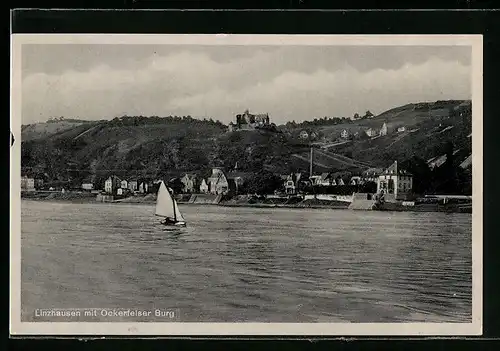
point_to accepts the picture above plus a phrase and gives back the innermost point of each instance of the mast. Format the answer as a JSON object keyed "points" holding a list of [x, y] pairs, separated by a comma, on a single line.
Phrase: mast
{"points": [[173, 204], [311, 164]]}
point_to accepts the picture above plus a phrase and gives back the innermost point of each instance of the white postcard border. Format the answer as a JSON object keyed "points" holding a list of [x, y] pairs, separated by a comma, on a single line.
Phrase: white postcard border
{"points": [[226, 329]]}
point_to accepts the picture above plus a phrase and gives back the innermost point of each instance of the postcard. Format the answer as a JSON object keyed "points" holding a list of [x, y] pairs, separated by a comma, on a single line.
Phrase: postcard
{"points": [[285, 185]]}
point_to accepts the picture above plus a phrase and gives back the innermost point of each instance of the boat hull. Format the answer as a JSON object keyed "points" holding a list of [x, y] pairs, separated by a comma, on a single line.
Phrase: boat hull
{"points": [[174, 225]]}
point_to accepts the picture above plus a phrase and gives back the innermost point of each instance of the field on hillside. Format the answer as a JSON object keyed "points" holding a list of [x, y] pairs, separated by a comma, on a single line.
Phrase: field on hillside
{"points": [[42, 130]]}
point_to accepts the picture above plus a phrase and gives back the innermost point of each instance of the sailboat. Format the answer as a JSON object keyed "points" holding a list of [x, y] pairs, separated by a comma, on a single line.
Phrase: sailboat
{"points": [[167, 207]]}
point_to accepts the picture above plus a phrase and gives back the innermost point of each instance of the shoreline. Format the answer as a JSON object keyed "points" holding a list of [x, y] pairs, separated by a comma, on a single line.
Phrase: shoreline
{"points": [[85, 198]]}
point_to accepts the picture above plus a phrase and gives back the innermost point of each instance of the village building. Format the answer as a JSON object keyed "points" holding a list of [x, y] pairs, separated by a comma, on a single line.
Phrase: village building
{"points": [[239, 178], [143, 187], [204, 187], [38, 183], [88, 185], [292, 183], [355, 180], [323, 179], [344, 134], [190, 183], [146, 186], [133, 185], [27, 183], [111, 184], [401, 129], [383, 130], [371, 174], [315, 180], [371, 132], [248, 121], [395, 182], [219, 184], [339, 181], [124, 184]]}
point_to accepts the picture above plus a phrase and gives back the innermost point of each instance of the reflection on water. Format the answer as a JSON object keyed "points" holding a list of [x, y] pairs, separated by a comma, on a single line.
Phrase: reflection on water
{"points": [[244, 264]]}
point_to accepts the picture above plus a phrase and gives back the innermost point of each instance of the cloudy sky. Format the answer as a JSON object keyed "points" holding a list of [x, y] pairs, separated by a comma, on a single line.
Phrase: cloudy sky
{"points": [[289, 82]]}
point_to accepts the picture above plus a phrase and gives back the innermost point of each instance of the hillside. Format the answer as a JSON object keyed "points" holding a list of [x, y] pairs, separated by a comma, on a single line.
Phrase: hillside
{"points": [[154, 146], [428, 128]]}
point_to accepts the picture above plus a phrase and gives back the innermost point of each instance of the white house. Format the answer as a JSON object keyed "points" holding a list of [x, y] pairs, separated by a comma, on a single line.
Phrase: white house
{"points": [[87, 185], [143, 187], [189, 183], [315, 179], [132, 185], [27, 183], [203, 187], [124, 184], [292, 183], [355, 180], [371, 132], [344, 134], [383, 130], [395, 181], [218, 182], [111, 184], [401, 129]]}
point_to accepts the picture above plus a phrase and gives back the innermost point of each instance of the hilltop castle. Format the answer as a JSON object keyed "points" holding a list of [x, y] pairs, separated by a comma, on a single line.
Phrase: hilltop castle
{"points": [[248, 121]]}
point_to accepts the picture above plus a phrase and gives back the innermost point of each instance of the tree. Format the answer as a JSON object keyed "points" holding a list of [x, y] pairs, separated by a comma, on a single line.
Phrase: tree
{"points": [[176, 185], [368, 187], [368, 114], [262, 183], [356, 115], [422, 175]]}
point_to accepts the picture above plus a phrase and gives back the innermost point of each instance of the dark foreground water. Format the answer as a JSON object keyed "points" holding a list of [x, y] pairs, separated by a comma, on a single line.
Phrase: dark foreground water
{"points": [[246, 264]]}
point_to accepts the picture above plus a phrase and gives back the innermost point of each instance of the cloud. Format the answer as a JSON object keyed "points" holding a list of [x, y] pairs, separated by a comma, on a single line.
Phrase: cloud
{"points": [[289, 83]]}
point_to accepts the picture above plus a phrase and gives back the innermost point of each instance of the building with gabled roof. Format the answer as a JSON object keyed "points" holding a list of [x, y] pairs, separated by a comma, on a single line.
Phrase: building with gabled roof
{"points": [[395, 182]]}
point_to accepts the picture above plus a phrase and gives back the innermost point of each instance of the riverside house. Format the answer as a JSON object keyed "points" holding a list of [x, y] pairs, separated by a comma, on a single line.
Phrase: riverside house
{"points": [[292, 183], [112, 184], [190, 183], [27, 183], [219, 184], [204, 187], [124, 184], [132, 185], [87, 185], [395, 183], [371, 174], [239, 178], [323, 179]]}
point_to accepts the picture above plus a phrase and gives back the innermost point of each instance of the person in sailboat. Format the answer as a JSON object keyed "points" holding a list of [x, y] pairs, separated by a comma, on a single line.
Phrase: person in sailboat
{"points": [[169, 220]]}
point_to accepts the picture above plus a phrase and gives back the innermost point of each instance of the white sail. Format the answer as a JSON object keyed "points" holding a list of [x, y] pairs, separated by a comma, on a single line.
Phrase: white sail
{"points": [[164, 203], [178, 214]]}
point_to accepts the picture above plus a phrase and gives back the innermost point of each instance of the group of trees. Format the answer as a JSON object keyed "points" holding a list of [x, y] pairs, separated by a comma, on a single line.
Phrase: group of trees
{"points": [[367, 114], [325, 121], [449, 178], [142, 120]]}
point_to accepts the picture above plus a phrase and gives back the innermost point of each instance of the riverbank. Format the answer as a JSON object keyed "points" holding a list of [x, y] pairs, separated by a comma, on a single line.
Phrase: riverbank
{"points": [[85, 197]]}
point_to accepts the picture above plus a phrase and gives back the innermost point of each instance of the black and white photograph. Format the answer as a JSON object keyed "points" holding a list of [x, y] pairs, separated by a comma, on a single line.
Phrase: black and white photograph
{"points": [[246, 184]]}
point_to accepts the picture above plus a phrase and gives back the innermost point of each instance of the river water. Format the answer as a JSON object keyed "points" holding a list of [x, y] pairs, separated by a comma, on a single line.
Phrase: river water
{"points": [[247, 264]]}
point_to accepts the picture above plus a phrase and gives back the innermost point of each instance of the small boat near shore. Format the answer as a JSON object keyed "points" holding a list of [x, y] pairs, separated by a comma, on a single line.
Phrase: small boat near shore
{"points": [[167, 207]]}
